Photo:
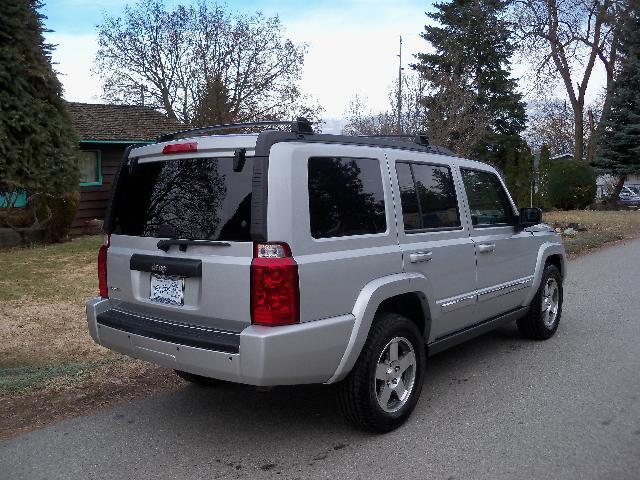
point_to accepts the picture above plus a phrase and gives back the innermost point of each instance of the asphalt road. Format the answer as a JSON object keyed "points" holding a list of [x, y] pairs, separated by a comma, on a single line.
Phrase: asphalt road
{"points": [[497, 407]]}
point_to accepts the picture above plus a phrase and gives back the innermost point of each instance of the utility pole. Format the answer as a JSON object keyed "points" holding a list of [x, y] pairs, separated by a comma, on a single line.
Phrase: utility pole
{"points": [[142, 94], [400, 88]]}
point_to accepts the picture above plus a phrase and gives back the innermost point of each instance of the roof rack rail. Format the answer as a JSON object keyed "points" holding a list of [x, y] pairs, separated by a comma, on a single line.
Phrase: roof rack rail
{"points": [[419, 138], [299, 126]]}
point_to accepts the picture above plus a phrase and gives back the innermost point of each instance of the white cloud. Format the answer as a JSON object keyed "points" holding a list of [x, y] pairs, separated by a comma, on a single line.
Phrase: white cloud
{"points": [[348, 58], [74, 56]]}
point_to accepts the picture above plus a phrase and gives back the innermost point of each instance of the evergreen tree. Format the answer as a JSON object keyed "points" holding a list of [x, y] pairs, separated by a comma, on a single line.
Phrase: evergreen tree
{"points": [[518, 172], [619, 142], [469, 78], [214, 108], [542, 178], [37, 144]]}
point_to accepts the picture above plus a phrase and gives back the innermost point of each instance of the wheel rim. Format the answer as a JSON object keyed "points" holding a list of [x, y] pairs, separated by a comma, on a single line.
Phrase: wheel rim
{"points": [[395, 374], [550, 302]]}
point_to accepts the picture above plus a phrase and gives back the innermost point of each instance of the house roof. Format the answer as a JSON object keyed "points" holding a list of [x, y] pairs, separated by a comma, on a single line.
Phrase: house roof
{"points": [[104, 122]]}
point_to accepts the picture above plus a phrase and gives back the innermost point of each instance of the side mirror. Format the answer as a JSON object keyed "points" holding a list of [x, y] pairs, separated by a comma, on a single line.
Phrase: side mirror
{"points": [[529, 217]]}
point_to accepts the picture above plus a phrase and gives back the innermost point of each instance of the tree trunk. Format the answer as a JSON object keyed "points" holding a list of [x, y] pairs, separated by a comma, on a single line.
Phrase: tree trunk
{"points": [[591, 145], [578, 113], [617, 189]]}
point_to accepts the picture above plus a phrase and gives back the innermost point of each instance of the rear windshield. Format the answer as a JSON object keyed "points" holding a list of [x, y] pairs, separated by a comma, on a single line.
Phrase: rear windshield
{"points": [[201, 199]]}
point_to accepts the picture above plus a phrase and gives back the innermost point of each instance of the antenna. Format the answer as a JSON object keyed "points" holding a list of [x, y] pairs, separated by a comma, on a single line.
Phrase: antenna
{"points": [[399, 128]]}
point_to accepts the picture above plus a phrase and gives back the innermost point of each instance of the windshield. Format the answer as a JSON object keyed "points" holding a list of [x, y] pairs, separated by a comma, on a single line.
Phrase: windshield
{"points": [[201, 199]]}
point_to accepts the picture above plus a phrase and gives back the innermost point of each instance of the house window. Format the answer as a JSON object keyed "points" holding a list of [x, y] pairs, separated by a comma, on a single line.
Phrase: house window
{"points": [[16, 198], [90, 165]]}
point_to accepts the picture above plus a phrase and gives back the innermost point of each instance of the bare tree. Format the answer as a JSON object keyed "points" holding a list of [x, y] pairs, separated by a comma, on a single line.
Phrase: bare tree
{"points": [[363, 121], [552, 123], [182, 60], [566, 38]]}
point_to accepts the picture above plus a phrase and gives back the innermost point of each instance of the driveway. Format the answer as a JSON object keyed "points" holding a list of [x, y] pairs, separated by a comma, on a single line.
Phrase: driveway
{"points": [[497, 407]]}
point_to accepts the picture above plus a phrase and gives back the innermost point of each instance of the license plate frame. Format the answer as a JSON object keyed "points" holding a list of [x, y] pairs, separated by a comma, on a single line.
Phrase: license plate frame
{"points": [[166, 289]]}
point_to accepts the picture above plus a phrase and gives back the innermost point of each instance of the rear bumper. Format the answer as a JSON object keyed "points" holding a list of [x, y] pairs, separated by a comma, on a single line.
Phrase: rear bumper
{"points": [[295, 354]]}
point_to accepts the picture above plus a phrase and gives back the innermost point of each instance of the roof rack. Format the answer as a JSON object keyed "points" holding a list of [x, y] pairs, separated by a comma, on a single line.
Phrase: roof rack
{"points": [[298, 126], [419, 139], [301, 127]]}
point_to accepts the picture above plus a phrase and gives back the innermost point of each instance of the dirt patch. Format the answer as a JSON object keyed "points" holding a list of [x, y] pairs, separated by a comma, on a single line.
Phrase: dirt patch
{"points": [[106, 386]]}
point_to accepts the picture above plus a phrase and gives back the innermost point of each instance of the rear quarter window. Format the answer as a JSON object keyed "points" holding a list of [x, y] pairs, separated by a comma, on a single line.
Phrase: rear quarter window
{"points": [[346, 197]]}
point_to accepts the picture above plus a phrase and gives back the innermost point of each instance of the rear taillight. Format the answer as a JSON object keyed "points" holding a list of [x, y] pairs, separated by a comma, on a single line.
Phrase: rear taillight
{"points": [[274, 285], [102, 268]]}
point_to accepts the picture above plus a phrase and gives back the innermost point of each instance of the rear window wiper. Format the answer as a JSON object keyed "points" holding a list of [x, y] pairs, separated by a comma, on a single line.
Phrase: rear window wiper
{"points": [[183, 244]]}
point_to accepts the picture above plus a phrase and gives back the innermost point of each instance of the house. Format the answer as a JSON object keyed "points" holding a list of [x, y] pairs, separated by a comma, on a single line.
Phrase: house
{"points": [[105, 131]]}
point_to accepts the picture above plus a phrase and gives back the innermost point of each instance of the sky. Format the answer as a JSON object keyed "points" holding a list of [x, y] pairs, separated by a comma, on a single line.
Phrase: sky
{"points": [[352, 45]]}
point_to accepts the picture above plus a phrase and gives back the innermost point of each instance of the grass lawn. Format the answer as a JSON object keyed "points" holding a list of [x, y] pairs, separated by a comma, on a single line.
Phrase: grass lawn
{"points": [[601, 227]]}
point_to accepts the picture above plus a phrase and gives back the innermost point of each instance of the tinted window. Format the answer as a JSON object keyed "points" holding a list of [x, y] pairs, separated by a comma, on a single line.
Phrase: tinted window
{"points": [[345, 197], [408, 197], [488, 201], [428, 196], [186, 198]]}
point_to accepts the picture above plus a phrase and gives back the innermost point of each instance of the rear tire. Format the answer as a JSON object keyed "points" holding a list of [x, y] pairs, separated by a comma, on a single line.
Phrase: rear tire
{"points": [[384, 385], [542, 320], [198, 380]]}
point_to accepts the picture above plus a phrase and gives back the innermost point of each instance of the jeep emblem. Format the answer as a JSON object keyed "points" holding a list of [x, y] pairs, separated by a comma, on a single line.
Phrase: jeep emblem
{"points": [[158, 268]]}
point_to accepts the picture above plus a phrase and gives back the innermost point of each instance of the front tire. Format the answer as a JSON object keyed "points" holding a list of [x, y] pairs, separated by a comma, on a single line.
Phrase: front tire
{"points": [[546, 308], [384, 385]]}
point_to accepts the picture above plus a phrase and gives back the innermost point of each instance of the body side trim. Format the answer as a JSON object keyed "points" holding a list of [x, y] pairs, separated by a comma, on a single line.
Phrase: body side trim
{"points": [[504, 288]]}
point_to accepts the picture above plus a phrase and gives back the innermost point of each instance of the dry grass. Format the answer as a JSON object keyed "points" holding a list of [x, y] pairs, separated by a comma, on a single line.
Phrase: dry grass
{"points": [[601, 227], [42, 295]]}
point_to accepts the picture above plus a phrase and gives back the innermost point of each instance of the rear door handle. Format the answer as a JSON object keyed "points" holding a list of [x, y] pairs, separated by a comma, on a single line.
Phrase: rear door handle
{"points": [[420, 257], [486, 247]]}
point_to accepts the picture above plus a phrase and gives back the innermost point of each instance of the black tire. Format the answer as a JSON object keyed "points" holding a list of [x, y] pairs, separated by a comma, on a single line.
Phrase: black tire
{"points": [[358, 393], [198, 380], [537, 324]]}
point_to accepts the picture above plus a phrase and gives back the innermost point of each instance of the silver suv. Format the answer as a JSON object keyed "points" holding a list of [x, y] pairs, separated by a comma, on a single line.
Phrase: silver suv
{"points": [[290, 257]]}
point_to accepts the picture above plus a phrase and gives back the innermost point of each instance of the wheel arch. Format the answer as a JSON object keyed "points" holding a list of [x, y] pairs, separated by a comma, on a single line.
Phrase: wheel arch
{"points": [[404, 293], [549, 253]]}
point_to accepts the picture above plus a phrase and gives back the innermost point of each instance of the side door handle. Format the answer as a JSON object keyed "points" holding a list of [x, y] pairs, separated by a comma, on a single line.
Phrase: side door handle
{"points": [[420, 257], [486, 247]]}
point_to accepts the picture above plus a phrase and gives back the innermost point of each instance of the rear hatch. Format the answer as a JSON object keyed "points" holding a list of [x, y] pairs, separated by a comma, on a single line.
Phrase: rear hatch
{"points": [[180, 246]]}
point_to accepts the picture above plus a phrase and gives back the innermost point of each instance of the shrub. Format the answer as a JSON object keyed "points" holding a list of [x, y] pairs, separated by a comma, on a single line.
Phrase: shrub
{"points": [[63, 210], [571, 184]]}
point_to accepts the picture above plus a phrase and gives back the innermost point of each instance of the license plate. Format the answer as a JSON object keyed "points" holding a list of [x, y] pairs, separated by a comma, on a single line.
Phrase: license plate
{"points": [[167, 289]]}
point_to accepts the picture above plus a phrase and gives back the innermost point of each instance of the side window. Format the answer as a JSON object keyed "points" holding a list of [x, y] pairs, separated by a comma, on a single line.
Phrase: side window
{"points": [[488, 201], [345, 197], [408, 198], [428, 196]]}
